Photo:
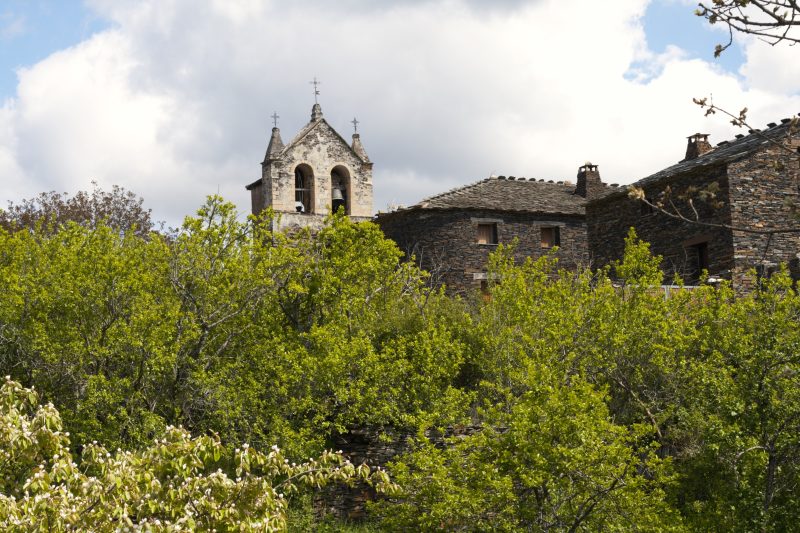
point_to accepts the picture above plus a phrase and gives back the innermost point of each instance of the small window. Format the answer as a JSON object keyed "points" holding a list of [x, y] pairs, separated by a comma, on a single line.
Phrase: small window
{"points": [[487, 233], [551, 237], [645, 208], [700, 253], [486, 294]]}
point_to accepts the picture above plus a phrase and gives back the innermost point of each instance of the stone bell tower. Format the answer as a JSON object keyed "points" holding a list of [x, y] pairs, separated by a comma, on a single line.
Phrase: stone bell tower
{"points": [[317, 173]]}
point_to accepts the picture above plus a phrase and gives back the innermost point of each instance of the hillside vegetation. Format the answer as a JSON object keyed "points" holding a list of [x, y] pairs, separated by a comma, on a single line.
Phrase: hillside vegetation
{"points": [[604, 406]]}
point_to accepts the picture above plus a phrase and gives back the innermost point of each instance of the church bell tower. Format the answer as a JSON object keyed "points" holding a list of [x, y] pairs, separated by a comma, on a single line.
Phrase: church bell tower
{"points": [[315, 174]]}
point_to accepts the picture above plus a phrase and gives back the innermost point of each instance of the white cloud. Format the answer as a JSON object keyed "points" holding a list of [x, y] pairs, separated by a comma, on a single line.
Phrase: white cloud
{"points": [[774, 69], [173, 103]]}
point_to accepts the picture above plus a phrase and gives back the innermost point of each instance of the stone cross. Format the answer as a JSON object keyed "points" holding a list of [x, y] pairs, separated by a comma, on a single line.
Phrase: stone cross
{"points": [[355, 124], [275, 118], [315, 83]]}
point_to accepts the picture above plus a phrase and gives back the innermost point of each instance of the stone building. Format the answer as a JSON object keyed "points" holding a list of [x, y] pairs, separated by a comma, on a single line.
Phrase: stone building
{"points": [[755, 181], [749, 183], [317, 173], [452, 234]]}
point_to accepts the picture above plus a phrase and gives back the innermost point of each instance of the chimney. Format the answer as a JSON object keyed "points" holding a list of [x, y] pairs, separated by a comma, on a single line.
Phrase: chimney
{"points": [[589, 183], [696, 146]]}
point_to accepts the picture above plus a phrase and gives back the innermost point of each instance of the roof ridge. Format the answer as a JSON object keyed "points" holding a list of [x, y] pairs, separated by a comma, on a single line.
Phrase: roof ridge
{"points": [[724, 152]]}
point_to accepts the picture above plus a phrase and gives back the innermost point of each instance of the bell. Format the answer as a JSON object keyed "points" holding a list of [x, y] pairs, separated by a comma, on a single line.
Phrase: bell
{"points": [[337, 194]]}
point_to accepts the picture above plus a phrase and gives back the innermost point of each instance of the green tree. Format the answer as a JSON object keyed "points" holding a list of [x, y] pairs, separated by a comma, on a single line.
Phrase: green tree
{"points": [[559, 464], [176, 483]]}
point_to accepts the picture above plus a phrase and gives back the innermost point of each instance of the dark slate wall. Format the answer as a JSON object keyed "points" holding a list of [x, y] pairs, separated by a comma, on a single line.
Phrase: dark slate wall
{"points": [[610, 218], [444, 242], [765, 192]]}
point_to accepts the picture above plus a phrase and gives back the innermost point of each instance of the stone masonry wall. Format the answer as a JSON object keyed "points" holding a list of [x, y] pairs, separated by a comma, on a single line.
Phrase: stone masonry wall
{"points": [[610, 218], [322, 150], [764, 189], [444, 242], [293, 221]]}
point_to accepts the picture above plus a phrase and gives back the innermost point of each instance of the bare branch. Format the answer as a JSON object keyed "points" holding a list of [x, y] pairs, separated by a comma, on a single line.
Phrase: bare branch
{"points": [[769, 20]]}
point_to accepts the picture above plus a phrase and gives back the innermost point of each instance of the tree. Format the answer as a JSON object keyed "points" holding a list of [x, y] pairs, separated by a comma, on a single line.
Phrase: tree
{"points": [[227, 327], [559, 464], [119, 209], [176, 483], [770, 20]]}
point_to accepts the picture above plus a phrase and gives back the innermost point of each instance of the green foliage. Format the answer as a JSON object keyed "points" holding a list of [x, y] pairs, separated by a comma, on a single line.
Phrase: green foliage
{"points": [[559, 464], [638, 266], [228, 327], [648, 410], [175, 484]]}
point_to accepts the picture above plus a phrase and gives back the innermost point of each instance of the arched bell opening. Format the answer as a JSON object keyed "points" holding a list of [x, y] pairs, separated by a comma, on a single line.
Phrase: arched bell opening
{"points": [[340, 189], [303, 189]]}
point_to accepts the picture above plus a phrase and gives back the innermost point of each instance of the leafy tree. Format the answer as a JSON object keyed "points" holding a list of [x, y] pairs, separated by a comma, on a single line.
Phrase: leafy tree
{"points": [[176, 483], [85, 317], [560, 464], [120, 209], [227, 327]]}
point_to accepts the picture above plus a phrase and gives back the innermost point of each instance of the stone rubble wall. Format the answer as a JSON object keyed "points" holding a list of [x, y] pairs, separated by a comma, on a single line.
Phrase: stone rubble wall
{"points": [[610, 218], [765, 192], [444, 242]]}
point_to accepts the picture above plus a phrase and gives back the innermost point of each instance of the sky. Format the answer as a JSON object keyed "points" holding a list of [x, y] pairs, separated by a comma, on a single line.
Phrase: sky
{"points": [[172, 99]]}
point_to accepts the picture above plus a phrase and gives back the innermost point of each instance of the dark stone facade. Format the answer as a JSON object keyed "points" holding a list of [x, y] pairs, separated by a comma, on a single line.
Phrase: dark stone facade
{"points": [[757, 187], [765, 192], [755, 184], [445, 241], [610, 218]]}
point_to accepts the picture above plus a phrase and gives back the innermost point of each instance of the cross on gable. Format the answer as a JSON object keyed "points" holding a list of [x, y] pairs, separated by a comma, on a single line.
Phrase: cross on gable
{"points": [[275, 118], [315, 83], [355, 124]]}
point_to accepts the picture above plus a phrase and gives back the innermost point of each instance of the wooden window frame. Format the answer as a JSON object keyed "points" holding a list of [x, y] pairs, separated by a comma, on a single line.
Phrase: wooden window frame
{"points": [[491, 239], [555, 237]]}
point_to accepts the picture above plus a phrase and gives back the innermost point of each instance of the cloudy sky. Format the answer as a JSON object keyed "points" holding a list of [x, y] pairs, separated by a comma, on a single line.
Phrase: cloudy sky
{"points": [[171, 98]]}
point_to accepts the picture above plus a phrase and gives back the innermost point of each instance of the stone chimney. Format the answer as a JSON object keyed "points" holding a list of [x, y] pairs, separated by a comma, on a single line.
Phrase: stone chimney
{"points": [[589, 183], [696, 146]]}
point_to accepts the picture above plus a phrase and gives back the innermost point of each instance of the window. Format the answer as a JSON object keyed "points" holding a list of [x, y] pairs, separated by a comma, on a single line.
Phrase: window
{"points": [[700, 258], [551, 236], [487, 233], [303, 183], [645, 208]]}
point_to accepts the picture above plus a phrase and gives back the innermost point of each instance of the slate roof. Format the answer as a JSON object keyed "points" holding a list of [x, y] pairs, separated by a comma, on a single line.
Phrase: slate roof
{"points": [[510, 194], [724, 153]]}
